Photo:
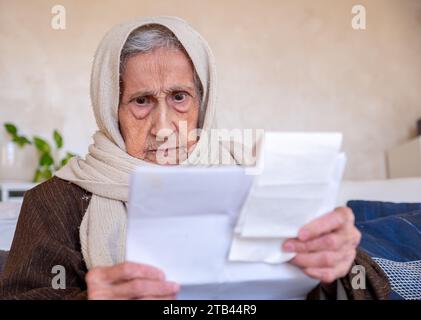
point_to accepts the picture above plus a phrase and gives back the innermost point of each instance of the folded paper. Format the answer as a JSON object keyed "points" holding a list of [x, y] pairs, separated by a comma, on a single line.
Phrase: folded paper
{"points": [[218, 231], [299, 182]]}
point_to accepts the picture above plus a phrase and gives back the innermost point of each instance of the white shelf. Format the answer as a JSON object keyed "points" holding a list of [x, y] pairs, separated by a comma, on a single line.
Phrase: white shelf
{"points": [[7, 189]]}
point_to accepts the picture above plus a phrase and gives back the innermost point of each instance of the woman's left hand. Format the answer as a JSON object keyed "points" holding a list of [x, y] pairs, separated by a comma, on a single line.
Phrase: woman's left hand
{"points": [[326, 247]]}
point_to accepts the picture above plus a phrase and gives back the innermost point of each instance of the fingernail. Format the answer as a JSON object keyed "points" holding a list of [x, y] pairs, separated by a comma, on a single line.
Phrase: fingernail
{"points": [[289, 247]]}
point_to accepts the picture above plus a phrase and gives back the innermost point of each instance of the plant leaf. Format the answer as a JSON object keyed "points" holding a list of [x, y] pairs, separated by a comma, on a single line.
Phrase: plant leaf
{"points": [[11, 128], [47, 174], [21, 141], [42, 174], [66, 159], [58, 138], [16, 140], [37, 176], [26, 140], [46, 160], [42, 145]]}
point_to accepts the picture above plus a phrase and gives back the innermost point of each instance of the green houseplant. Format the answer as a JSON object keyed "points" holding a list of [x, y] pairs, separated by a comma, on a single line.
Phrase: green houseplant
{"points": [[47, 164]]}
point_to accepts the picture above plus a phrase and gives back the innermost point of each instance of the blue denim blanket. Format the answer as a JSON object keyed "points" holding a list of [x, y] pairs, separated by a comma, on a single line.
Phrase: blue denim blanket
{"points": [[390, 231]]}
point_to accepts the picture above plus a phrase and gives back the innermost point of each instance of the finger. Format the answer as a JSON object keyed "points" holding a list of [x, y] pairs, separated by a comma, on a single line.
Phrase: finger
{"points": [[129, 270], [333, 241], [355, 238], [328, 275], [323, 259], [139, 288], [295, 245], [329, 242], [325, 224], [102, 293], [135, 289], [170, 297], [126, 271], [325, 275]]}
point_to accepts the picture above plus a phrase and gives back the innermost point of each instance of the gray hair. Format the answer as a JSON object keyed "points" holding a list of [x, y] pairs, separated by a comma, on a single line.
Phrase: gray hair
{"points": [[146, 39]]}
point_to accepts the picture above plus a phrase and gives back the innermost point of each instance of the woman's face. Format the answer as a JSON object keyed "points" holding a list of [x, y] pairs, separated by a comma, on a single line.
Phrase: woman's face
{"points": [[159, 106]]}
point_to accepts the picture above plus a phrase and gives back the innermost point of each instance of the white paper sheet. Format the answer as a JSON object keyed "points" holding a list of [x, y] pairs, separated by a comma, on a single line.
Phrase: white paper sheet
{"points": [[302, 142], [188, 249], [287, 194], [298, 158], [181, 219], [190, 240]]}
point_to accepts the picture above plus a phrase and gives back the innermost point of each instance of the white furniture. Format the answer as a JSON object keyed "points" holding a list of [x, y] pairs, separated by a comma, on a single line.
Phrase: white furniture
{"points": [[405, 160], [9, 213], [11, 201], [13, 191], [392, 190]]}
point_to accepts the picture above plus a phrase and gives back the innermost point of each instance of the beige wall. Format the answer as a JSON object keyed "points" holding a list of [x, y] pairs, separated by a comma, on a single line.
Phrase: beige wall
{"points": [[283, 65]]}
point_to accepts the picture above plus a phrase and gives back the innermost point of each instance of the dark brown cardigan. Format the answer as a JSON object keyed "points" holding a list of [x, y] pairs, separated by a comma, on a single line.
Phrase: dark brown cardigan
{"points": [[47, 234]]}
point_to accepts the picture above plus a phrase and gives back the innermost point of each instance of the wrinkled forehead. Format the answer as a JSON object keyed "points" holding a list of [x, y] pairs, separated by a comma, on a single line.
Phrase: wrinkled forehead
{"points": [[187, 37], [161, 66]]}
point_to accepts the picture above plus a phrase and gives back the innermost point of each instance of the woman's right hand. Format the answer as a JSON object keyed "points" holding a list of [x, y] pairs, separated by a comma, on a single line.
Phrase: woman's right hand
{"points": [[129, 281]]}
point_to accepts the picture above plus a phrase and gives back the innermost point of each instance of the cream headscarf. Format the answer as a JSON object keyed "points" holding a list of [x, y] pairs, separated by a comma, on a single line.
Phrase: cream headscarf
{"points": [[106, 169]]}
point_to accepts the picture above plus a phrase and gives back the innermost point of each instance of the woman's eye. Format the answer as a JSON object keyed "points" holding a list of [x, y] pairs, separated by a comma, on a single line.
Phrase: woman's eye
{"points": [[141, 100], [180, 96]]}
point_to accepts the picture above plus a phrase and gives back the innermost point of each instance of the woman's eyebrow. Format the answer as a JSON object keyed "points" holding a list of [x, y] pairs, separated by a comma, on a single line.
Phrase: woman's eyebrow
{"points": [[143, 93], [181, 88]]}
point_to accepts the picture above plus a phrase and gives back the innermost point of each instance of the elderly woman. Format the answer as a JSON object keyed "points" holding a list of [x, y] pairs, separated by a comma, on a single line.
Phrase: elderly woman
{"points": [[152, 79]]}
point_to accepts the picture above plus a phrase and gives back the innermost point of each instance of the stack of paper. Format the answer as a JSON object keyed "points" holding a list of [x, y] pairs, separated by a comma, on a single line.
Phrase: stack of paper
{"points": [[182, 219], [185, 220], [299, 181]]}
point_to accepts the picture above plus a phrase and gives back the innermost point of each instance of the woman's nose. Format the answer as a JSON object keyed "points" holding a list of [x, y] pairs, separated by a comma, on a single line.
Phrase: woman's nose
{"points": [[162, 126]]}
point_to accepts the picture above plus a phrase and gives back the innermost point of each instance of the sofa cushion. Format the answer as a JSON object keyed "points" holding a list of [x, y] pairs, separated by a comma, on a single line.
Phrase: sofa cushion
{"points": [[391, 235]]}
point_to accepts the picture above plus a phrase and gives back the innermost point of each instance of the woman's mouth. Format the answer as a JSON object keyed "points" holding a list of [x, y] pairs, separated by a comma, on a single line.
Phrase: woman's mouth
{"points": [[164, 151]]}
